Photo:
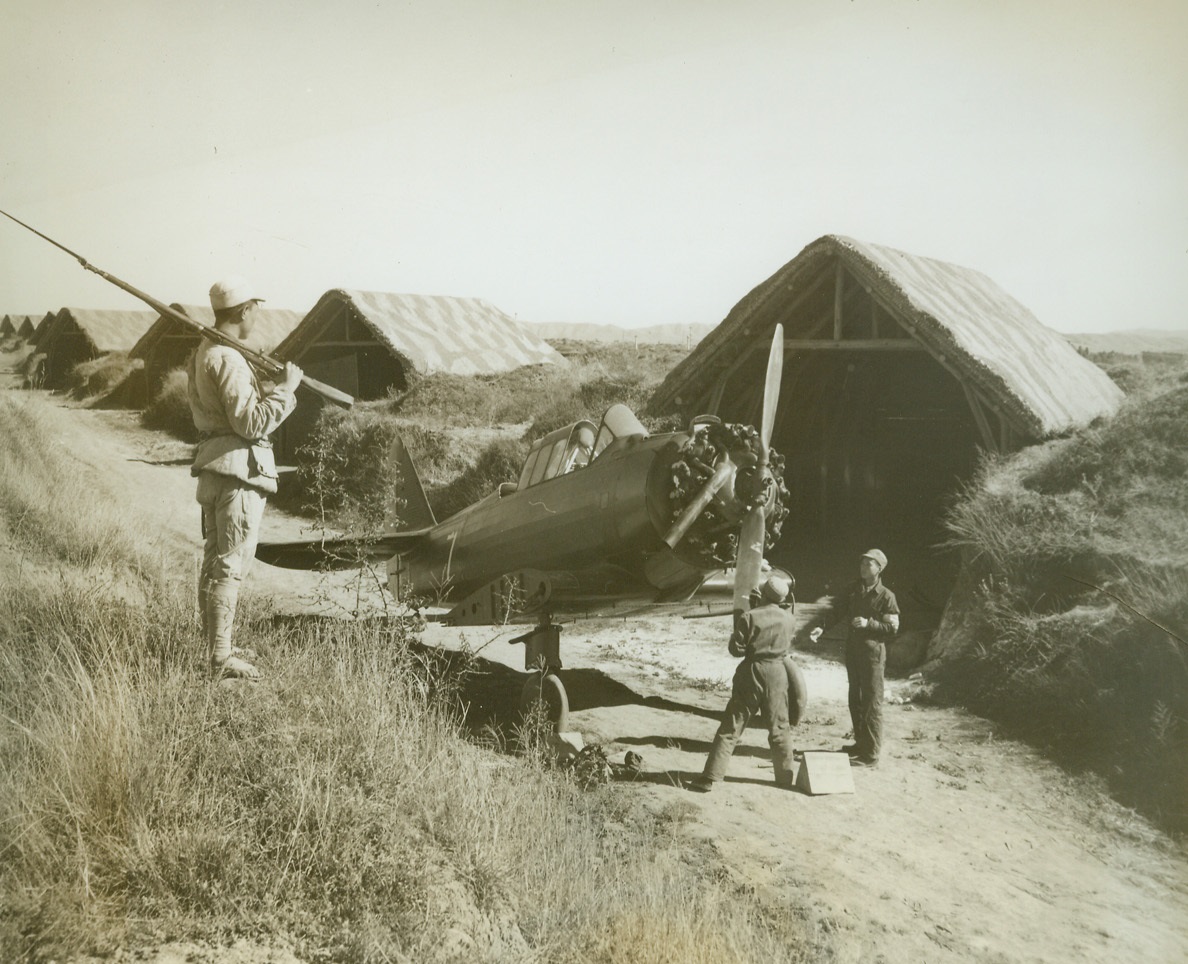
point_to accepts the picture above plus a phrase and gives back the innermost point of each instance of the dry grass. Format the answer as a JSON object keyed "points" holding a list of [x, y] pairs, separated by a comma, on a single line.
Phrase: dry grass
{"points": [[99, 377], [1070, 620], [170, 410], [335, 807]]}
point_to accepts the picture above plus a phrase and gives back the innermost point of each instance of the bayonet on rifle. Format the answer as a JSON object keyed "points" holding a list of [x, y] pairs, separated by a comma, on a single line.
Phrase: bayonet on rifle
{"points": [[264, 364]]}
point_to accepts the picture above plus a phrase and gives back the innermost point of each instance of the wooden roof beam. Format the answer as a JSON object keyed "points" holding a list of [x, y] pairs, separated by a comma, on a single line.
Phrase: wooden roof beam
{"points": [[910, 328], [839, 297], [855, 344]]}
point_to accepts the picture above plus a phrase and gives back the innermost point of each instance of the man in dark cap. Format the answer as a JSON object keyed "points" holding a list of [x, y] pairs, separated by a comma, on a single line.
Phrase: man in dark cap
{"points": [[873, 615], [762, 637]]}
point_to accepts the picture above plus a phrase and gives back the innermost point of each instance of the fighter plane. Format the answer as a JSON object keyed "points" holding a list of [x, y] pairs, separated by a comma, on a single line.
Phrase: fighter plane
{"points": [[600, 515]]}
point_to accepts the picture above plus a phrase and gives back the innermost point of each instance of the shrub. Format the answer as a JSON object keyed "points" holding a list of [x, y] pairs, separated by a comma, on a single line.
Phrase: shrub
{"points": [[170, 410], [103, 375], [1068, 622], [499, 462]]}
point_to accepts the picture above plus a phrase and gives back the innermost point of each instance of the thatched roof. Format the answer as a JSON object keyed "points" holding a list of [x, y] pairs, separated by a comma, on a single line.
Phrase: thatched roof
{"points": [[25, 328], [968, 323], [429, 333], [272, 326], [43, 327], [6, 326], [106, 330]]}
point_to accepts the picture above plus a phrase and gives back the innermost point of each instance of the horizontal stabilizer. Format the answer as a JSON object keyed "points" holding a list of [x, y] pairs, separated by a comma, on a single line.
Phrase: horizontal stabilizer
{"points": [[332, 554]]}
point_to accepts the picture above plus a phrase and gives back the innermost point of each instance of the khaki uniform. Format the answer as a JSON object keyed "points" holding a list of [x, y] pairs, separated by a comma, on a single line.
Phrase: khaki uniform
{"points": [[236, 472], [763, 637]]}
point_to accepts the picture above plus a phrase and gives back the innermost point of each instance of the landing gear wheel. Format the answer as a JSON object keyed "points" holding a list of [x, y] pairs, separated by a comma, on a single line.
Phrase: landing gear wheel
{"points": [[551, 692]]}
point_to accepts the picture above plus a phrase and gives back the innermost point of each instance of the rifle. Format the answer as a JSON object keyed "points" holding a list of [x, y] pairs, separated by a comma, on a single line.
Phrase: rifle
{"points": [[264, 364]]}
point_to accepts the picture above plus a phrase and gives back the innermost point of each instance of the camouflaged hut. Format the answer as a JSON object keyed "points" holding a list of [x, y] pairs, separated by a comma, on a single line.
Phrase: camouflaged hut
{"points": [[42, 328], [7, 328], [167, 344], [370, 343], [899, 371], [26, 327], [80, 334]]}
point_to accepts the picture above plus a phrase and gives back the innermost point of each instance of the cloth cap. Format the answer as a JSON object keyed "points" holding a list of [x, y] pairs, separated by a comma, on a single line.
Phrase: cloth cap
{"points": [[877, 556], [775, 589], [231, 292]]}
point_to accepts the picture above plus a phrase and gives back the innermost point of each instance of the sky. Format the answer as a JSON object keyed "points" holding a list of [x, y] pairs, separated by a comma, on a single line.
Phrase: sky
{"points": [[629, 163]]}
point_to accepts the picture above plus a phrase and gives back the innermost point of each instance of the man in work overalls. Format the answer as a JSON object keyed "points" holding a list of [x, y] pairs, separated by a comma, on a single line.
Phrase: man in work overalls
{"points": [[762, 637], [234, 465], [873, 615]]}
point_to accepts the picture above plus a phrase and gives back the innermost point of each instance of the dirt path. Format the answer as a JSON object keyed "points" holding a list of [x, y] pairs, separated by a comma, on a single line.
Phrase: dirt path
{"points": [[958, 847]]}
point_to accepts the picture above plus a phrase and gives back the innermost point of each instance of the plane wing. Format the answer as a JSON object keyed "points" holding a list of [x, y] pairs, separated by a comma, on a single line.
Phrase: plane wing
{"points": [[348, 552]]}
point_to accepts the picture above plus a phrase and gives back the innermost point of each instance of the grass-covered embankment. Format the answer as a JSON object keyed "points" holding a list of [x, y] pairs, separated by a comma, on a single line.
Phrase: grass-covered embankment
{"points": [[1070, 621], [335, 807]]}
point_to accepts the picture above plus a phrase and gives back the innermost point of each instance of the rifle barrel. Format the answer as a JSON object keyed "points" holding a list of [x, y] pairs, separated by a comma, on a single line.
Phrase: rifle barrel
{"points": [[265, 364]]}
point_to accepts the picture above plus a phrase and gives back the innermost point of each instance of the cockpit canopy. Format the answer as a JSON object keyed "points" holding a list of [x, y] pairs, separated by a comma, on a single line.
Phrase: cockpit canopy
{"points": [[577, 445]]}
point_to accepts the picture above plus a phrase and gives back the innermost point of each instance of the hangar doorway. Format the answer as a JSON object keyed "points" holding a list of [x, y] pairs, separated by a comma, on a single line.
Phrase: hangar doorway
{"points": [[876, 446]]}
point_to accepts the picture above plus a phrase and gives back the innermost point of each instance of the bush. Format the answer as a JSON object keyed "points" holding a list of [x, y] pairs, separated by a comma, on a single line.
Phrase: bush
{"points": [[101, 376], [499, 462], [544, 396], [1068, 622], [170, 410]]}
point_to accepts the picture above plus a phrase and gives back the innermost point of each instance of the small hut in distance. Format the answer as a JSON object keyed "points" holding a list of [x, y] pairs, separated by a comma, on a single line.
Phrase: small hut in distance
{"points": [[80, 334], [371, 343], [167, 343], [7, 327], [25, 328], [41, 329]]}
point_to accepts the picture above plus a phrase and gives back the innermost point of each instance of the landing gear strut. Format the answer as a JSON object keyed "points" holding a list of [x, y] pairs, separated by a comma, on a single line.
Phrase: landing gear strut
{"points": [[542, 657]]}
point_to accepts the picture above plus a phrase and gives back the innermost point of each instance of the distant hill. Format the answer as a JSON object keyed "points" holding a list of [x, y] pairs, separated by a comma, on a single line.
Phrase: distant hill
{"points": [[654, 334], [1124, 342], [1133, 342]]}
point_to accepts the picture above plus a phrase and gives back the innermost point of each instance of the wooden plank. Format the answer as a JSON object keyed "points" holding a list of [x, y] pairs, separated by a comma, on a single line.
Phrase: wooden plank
{"points": [[839, 296], [979, 417], [856, 344], [801, 297]]}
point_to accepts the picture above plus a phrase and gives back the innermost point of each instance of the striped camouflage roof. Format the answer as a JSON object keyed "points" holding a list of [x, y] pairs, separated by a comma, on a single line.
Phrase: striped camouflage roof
{"points": [[1038, 379], [272, 327], [43, 327], [430, 333], [106, 330]]}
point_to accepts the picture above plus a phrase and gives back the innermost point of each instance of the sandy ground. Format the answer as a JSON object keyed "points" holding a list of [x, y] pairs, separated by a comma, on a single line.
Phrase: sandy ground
{"points": [[960, 846]]}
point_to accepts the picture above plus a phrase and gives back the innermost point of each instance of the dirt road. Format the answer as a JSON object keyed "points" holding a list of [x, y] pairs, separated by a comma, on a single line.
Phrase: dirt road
{"points": [[959, 846]]}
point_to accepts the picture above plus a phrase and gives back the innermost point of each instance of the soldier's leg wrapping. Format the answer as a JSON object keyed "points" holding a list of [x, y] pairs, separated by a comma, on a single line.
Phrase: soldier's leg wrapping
{"points": [[775, 706], [236, 510]]}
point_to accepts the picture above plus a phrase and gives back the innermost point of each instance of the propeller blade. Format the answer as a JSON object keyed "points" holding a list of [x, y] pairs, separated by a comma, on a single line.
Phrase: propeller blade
{"points": [[771, 385], [722, 472], [749, 561]]}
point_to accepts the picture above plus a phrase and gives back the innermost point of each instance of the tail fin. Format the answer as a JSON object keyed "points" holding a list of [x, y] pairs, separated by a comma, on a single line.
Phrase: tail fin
{"points": [[413, 510]]}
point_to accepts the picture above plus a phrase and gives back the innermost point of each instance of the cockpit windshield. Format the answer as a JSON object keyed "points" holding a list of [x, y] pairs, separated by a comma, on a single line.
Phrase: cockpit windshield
{"points": [[576, 445]]}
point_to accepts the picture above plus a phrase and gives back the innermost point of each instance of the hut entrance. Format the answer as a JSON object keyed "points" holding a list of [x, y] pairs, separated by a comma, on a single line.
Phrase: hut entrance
{"points": [[876, 444]]}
